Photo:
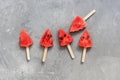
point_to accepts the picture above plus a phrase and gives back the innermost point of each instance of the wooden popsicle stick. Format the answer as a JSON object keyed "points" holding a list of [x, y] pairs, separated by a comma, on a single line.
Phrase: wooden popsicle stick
{"points": [[28, 53], [44, 54], [89, 14], [84, 54], [70, 51]]}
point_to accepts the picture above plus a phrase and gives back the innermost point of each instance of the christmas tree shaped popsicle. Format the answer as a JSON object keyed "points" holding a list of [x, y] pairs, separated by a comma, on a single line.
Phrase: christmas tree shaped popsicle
{"points": [[85, 42], [25, 41], [46, 41], [79, 22], [65, 40]]}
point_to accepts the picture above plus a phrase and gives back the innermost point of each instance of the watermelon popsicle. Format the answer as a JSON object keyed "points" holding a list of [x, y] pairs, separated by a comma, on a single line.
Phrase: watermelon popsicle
{"points": [[85, 42], [46, 41], [79, 22], [26, 41], [65, 40]]}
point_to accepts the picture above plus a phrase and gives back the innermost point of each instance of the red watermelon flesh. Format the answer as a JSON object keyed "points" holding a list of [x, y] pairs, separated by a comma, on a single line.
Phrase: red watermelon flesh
{"points": [[47, 40], [85, 40], [78, 24], [25, 39], [64, 38]]}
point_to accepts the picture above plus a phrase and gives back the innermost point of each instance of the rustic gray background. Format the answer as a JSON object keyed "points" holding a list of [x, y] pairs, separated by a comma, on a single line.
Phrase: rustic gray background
{"points": [[102, 61]]}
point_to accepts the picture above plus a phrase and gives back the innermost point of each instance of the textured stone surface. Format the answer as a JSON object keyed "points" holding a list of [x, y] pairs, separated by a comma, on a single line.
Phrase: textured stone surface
{"points": [[102, 61]]}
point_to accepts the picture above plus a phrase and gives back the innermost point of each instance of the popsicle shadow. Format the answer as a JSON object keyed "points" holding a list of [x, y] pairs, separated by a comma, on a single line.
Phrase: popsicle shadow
{"points": [[76, 33], [59, 48], [41, 48]]}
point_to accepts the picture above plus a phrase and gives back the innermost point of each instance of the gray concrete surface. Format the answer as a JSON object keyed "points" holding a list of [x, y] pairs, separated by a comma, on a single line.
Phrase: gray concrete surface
{"points": [[102, 61]]}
